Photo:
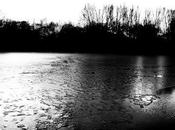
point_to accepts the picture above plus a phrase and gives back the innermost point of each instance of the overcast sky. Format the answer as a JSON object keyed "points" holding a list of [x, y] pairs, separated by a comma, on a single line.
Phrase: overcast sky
{"points": [[65, 10]]}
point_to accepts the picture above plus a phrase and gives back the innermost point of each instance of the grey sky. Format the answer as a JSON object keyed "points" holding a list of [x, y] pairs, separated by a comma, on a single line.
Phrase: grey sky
{"points": [[65, 10]]}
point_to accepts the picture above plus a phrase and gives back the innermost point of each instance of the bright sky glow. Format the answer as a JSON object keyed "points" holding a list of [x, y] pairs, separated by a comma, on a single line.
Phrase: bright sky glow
{"points": [[65, 10]]}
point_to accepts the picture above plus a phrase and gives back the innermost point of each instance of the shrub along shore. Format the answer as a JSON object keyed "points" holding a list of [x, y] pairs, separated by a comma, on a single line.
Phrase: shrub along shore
{"points": [[119, 30]]}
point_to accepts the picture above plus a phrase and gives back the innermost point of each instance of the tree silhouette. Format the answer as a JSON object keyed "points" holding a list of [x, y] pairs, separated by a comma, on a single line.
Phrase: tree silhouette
{"points": [[110, 27], [171, 27]]}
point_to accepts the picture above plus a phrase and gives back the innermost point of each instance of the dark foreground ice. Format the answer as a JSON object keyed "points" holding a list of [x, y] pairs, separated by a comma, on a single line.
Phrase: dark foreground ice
{"points": [[86, 92]]}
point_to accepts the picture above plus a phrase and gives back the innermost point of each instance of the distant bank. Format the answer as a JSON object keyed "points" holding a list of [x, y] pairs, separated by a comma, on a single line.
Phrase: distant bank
{"points": [[122, 32]]}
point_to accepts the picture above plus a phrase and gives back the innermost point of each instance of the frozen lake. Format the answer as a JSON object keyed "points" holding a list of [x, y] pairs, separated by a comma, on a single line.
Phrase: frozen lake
{"points": [[40, 91]]}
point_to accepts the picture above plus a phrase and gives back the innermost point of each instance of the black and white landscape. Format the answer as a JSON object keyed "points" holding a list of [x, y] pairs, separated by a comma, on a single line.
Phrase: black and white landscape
{"points": [[87, 65]]}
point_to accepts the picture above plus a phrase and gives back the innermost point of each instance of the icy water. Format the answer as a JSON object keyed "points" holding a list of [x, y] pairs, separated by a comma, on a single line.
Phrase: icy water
{"points": [[40, 91]]}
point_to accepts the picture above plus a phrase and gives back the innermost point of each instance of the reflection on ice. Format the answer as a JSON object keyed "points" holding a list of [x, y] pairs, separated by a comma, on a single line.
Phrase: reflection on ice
{"points": [[141, 85], [150, 79], [63, 91], [145, 83], [24, 58], [33, 100]]}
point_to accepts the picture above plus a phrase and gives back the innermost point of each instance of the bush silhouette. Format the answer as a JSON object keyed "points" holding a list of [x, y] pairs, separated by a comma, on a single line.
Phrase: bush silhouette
{"points": [[101, 28]]}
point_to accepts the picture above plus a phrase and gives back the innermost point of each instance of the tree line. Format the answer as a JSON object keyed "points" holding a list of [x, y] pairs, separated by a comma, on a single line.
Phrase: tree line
{"points": [[108, 29]]}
